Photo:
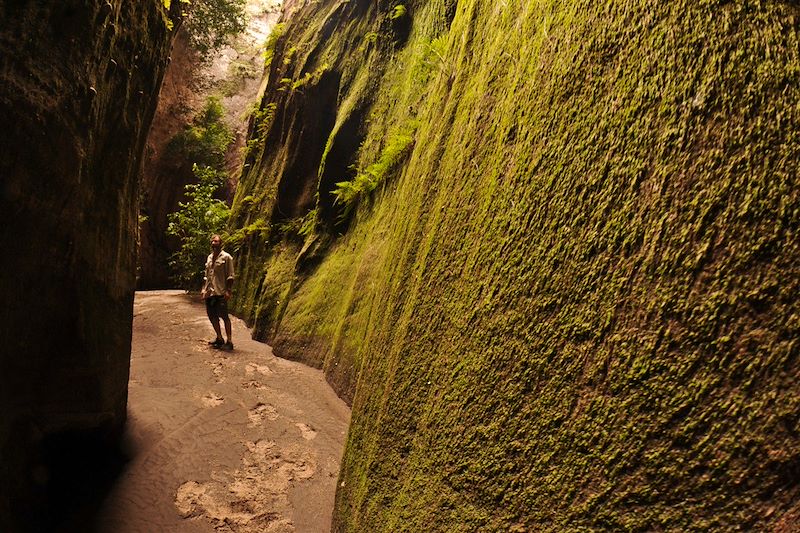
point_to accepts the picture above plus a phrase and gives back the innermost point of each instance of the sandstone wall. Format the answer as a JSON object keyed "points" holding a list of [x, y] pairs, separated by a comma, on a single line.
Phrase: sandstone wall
{"points": [[79, 81], [568, 302], [164, 174]]}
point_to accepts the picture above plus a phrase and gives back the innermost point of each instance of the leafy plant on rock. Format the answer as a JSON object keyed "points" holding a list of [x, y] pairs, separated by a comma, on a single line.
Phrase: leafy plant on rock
{"points": [[398, 145]]}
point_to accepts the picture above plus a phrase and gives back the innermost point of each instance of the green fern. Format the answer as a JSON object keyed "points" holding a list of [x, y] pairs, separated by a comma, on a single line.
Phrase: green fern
{"points": [[348, 193]]}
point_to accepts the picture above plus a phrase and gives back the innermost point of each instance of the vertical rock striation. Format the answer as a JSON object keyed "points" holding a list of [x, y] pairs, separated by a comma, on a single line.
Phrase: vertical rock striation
{"points": [[549, 249], [79, 81]]}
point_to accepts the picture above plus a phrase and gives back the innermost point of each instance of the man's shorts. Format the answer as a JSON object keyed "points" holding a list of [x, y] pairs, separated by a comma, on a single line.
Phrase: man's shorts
{"points": [[217, 307]]}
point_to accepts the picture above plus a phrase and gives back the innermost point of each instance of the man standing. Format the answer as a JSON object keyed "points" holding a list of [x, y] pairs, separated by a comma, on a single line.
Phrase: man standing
{"points": [[217, 286]]}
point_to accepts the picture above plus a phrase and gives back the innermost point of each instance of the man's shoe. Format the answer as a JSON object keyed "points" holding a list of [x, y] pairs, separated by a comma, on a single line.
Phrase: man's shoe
{"points": [[216, 343], [228, 346]]}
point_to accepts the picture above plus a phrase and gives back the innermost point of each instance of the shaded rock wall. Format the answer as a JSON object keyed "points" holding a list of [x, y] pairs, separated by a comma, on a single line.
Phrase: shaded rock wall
{"points": [[78, 86], [570, 303], [165, 174]]}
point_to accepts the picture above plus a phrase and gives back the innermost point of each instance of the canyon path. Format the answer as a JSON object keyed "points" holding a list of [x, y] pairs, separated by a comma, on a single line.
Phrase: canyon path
{"points": [[239, 441]]}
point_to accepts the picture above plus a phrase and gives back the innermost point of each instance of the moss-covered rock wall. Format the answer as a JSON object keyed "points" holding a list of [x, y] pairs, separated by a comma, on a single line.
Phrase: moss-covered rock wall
{"points": [[78, 84], [548, 249]]}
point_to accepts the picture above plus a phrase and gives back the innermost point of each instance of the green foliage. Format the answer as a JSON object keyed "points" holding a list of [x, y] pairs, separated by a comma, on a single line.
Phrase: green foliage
{"points": [[251, 146], [168, 3], [211, 23], [398, 12], [290, 56], [165, 14], [238, 73], [199, 217], [272, 40], [259, 228], [204, 145], [307, 77], [261, 120], [206, 140], [434, 56], [284, 84], [348, 193], [300, 226], [308, 223], [310, 77]]}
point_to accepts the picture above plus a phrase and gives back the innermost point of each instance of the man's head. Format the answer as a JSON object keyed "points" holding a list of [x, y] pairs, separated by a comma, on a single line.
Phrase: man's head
{"points": [[216, 243]]}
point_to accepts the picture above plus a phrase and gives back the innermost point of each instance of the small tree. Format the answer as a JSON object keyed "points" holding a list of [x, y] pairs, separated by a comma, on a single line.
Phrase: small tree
{"points": [[198, 218], [210, 23], [206, 140]]}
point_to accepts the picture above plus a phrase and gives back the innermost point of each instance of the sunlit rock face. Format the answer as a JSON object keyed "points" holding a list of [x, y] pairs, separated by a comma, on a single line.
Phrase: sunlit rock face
{"points": [[564, 295], [78, 85], [165, 173]]}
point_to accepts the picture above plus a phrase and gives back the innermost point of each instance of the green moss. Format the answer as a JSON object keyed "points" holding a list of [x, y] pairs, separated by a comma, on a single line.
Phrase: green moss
{"points": [[571, 304], [272, 40], [310, 77], [398, 145], [399, 11]]}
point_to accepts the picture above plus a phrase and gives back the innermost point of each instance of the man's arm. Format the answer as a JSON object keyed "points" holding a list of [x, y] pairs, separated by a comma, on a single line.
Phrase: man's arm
{"points": [[203, 291], [229, 277]]}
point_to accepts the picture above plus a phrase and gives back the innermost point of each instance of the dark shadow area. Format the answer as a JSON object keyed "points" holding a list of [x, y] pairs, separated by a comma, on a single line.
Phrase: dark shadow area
{"points": [[339, 166], [312, 116], [79, 469]]}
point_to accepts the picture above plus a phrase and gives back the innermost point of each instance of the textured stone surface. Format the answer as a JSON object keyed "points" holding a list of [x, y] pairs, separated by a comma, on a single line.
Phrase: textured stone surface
{"points": [[78, 85], [233, 74], [165, 174], [571, 304]]}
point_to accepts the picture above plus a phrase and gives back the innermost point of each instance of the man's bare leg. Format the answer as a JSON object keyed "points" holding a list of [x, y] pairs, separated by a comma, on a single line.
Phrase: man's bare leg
{"points": [[227, 322], [218, 331]]}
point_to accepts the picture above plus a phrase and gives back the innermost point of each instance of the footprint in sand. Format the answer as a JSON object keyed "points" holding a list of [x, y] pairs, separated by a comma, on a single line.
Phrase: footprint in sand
{"points": [[218, 369], [253, 384], [252, 368], [212, 400], [261, 412], [253, 498], [218, 366], [307, 431], [189, 497]]}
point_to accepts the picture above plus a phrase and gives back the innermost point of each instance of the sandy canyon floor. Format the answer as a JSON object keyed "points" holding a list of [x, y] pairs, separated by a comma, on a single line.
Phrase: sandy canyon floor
{"points": [[220, 441]]}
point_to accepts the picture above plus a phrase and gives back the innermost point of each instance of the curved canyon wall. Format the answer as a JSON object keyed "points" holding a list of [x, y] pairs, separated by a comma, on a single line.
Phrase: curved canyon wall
{"points": [[78, 86], [548, 250]]}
